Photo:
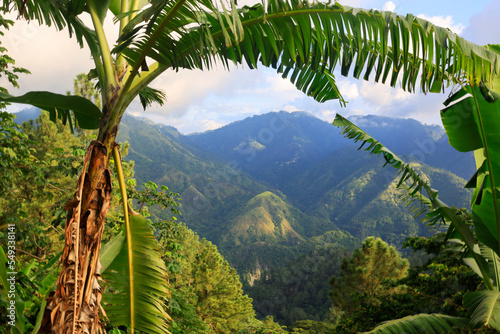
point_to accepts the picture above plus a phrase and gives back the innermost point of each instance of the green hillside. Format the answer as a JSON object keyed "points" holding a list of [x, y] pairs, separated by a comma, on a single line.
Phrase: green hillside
{"points": [[265, 202], [209, 189], [269, 218], [265, 218], [367, 202]]}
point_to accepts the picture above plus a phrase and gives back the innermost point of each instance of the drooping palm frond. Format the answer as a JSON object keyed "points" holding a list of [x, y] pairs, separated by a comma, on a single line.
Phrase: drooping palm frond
{"points": [[149, 95], [421, 323], [303, 41], [415, 183], [414, 186], [294, 36], [484, 308], [87, 114], [136, 285], [191, 33]]}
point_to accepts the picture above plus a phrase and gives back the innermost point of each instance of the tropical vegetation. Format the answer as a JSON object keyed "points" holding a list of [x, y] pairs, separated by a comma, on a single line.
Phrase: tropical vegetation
{"points": [[302, 41], [470, 124], [199, 277]]}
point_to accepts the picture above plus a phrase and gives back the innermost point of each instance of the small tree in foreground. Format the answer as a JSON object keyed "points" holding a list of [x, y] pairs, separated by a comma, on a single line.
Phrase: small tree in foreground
{"points": [[365, 272]]}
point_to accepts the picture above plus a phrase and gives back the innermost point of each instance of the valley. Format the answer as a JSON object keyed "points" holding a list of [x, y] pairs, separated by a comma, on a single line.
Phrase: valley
{"points": [[269, 188]]}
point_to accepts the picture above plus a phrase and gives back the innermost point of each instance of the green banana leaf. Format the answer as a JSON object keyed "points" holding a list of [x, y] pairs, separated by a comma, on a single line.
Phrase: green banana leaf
{"points": [[136, 282], [86, 113], [484, 308], [493, 262], [473, 124], [421, 323], [46, 284], [111, 250]]}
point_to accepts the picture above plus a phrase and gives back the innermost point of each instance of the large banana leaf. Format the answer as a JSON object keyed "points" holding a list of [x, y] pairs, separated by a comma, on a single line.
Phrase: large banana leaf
{"points": [[484, 307], [110, 250], [305, 40], [472, 124], [86, 113], [136, 282], [421, 323]]}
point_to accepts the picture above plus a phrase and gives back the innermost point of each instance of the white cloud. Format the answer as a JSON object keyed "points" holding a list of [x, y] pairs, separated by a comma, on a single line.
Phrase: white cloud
{"points": [[348, 88], [189, 88], [390, 6], [483, 27], [328, 115], [445, 22], [289, 108], [378, 95], [206, 125]]}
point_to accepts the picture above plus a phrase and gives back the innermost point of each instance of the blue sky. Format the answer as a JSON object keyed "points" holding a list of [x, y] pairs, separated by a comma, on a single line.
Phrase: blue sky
{"points": [[199, 101]]}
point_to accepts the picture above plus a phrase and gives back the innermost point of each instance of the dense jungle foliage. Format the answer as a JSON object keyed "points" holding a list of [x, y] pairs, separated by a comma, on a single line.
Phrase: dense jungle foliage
{"points": [[122, 270]]}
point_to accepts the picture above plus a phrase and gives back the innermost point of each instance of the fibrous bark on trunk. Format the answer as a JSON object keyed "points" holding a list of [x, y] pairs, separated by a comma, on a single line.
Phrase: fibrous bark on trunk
{"points": [[75, 306]]}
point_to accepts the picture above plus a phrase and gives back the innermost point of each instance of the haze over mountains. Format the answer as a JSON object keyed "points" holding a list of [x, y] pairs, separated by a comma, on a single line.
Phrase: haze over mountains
{"points": [[269, 188]]}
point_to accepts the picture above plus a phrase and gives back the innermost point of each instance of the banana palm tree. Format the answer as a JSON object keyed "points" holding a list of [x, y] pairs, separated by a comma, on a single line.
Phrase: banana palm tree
{"points": [[304, 41]]}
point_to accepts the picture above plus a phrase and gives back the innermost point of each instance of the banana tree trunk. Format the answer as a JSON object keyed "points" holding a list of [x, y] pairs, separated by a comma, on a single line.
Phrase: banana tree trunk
{"points": [[76, 304]]}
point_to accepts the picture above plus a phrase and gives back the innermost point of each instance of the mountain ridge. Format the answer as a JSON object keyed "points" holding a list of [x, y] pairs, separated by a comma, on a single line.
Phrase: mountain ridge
{"points": [[328, 191]]}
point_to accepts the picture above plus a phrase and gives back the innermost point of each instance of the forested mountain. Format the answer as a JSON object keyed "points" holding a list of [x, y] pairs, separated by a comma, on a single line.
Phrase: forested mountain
{"points": [[273, 147], [209, 189], [285, 210], [263, 187], [276, 146]]}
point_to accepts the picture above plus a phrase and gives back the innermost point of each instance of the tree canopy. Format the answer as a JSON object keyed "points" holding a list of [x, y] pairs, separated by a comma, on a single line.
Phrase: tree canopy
{"points": [[365, 273]]}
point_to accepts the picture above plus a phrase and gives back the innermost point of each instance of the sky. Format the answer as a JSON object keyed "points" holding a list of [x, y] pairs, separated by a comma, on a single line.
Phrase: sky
{"points": [[198, 101]]}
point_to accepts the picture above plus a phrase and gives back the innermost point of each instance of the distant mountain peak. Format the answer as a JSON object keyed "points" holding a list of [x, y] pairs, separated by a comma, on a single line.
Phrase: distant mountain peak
{"points": [[27, 114]]}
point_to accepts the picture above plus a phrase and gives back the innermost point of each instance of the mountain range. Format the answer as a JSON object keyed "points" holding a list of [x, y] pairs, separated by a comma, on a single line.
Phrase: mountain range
{"points": [[272, 187], [268, 188]]}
